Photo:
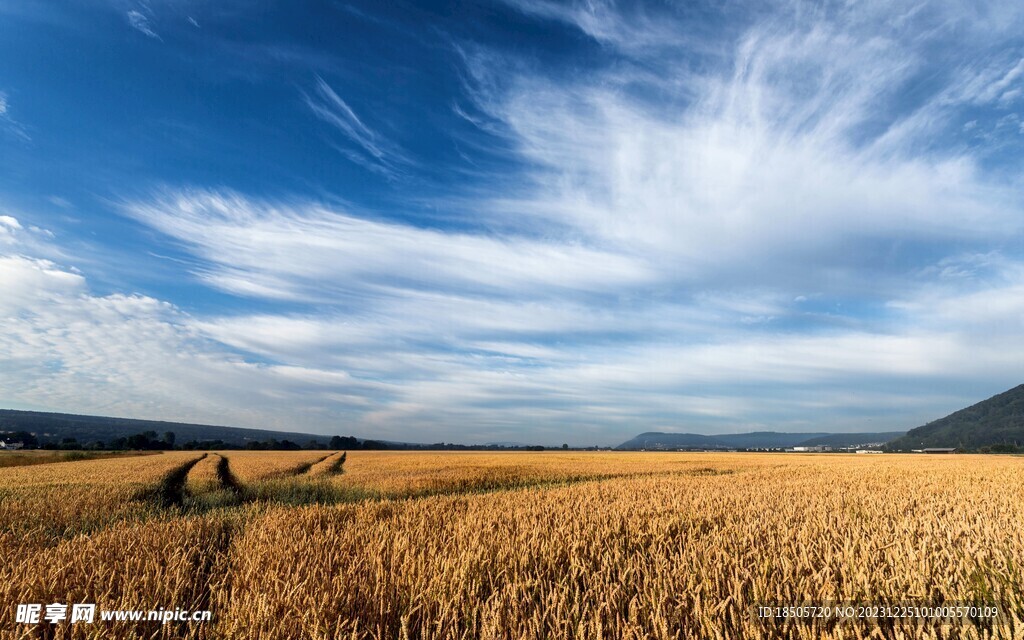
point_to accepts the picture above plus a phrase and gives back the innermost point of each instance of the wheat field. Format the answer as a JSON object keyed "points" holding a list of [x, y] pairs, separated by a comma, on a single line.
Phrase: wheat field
{"points": [[513, 545]]}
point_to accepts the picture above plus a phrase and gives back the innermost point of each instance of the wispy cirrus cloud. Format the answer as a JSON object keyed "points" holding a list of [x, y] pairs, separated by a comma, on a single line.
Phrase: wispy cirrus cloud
{"points": [[250, 248], [805, 144], [8, 124], [371, 149], [405, 363], [140, 20], [777, 235], [707, 218]]}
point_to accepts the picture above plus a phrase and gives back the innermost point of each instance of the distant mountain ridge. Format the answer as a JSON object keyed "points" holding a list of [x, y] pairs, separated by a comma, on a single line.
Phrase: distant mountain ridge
{"points": [[56, 426], [754, 440], [53, 428], [853, 439], [998, 421]]}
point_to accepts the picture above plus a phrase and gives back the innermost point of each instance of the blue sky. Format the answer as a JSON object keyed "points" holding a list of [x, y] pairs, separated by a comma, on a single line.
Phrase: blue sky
{"points": [[517, 220]]}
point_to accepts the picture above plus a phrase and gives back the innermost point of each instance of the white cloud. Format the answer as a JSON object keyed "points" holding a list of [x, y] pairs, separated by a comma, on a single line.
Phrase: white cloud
{"points": [[64, 348], [439, 367], [373, 150], [140, 22], [783, 246], [767, 168], [28, 280], [252, 249], [695, 260], [998, 82], [9, 124], [636, 32]]}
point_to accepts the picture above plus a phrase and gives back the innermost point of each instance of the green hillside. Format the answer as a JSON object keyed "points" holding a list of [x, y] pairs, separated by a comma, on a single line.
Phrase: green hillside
{"points": [[998, 421]]}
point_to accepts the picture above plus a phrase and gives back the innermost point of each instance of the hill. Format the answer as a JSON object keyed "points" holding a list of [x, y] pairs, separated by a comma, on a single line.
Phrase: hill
{"points": [[853, 439], [54, 427], [998, 421], [753, 440]]}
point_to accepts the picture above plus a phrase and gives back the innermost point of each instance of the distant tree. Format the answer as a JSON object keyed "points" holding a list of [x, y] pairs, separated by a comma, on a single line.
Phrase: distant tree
{"points": [[343, 442], [565, 446], [140, 441], [209, 445], [169, 439], [28, 440]]}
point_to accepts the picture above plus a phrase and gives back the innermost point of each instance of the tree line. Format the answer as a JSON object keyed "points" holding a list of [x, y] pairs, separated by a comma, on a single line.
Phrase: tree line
{"points": [[152, 441]]}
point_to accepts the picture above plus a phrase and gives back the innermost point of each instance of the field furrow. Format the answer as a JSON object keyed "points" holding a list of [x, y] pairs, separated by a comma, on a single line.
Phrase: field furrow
{"points": [[331, 465], [253, 466]]}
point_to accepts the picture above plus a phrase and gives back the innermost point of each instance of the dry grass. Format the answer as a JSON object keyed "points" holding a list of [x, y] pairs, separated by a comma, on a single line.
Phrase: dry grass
{"points": [[559, 545]]}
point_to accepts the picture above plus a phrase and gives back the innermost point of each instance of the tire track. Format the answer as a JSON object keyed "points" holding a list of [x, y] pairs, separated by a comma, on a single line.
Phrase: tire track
{"points": [[170, 492], [227, 478], [329, 465], [305, 466]]}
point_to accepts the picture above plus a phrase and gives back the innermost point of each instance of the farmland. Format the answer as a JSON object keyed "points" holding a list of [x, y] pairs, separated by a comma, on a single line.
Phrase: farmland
{"points": [[512, 545], [29, 458]]}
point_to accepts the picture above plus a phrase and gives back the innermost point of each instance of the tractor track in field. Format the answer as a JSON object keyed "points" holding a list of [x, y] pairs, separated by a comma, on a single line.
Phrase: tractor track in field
{"points": [[227, 478], [328, 465], [305, 466], [170, 492]]}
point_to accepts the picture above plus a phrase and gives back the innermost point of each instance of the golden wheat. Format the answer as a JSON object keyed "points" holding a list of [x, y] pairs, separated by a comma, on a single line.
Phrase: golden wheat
{"points": [[62, 499], [330, 465], [28, 458], [552, 545], [671, 556], [405, 473], [250, 466], [203, 477]]}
